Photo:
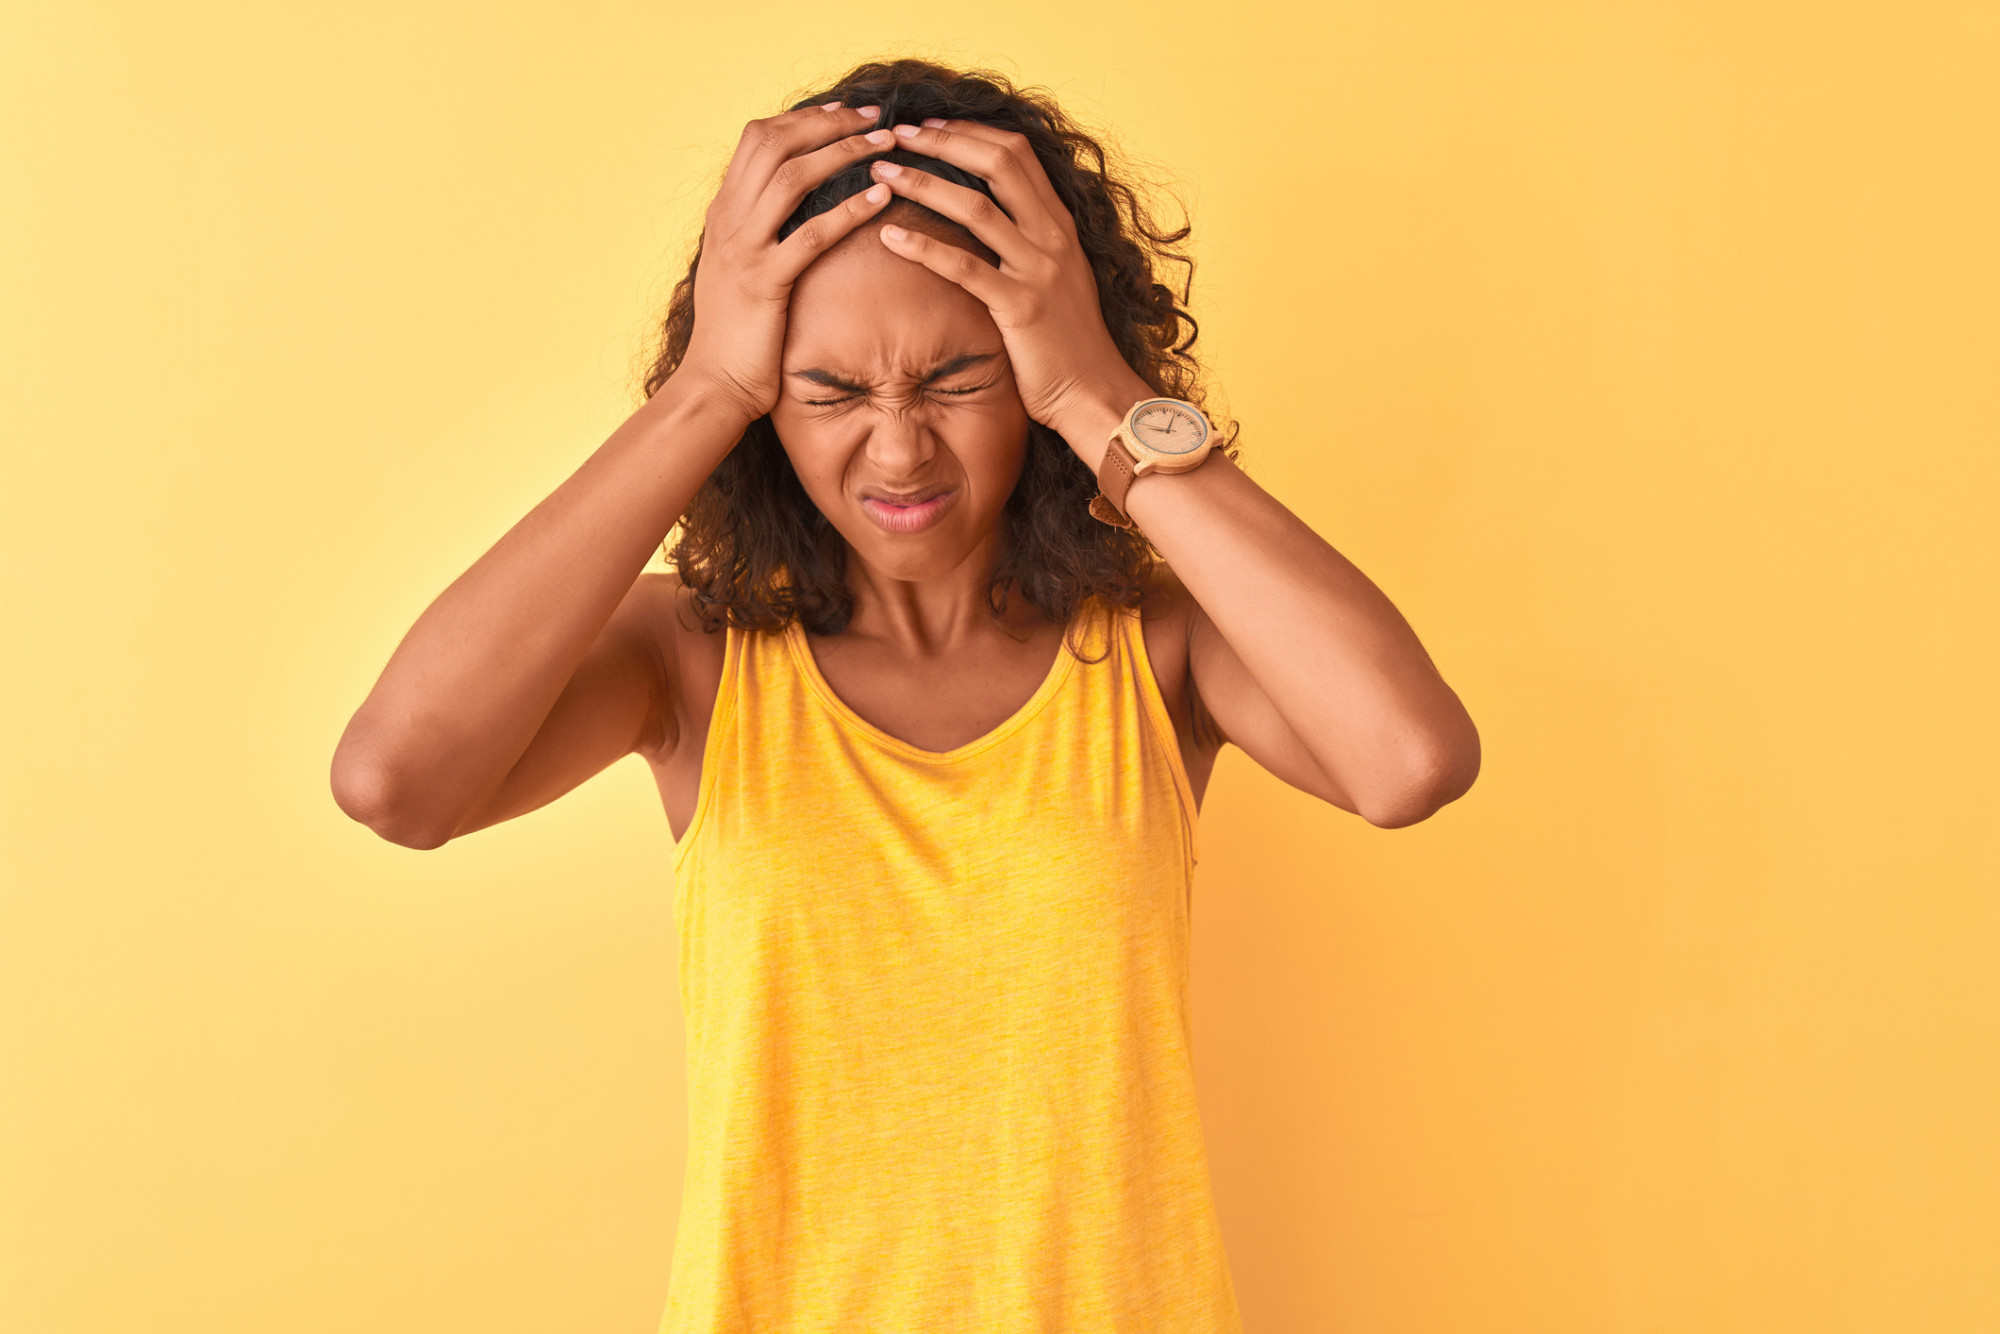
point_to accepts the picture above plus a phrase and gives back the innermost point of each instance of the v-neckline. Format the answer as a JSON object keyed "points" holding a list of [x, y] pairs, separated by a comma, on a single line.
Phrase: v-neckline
{"points": [[808, 666]]}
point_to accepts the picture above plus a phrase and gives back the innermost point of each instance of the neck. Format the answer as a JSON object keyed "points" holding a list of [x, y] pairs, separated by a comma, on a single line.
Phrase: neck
{"points": [[937, 612]]}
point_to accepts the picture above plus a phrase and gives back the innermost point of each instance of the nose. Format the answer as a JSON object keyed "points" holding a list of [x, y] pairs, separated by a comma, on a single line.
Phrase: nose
{"points": [[901, 441]]}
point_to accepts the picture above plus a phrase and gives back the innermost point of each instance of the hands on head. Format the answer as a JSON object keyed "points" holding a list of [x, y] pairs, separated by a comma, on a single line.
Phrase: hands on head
{"points": [[744, 278], [1041, 295]]}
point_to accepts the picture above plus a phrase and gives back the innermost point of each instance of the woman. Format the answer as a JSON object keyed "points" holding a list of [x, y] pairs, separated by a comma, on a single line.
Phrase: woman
{"points": [[929, 714]]}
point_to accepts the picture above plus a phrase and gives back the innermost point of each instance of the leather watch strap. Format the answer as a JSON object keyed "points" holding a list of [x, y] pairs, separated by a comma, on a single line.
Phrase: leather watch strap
{"points": [[1114, 478]]}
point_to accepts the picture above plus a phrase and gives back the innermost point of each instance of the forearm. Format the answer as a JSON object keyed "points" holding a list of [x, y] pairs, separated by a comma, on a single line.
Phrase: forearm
{"points": [[1332, 653], [475, 677]]}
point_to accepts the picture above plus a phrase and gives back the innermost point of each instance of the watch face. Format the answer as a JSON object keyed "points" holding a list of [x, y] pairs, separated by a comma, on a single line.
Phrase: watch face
{"points": [[1167, 426]]}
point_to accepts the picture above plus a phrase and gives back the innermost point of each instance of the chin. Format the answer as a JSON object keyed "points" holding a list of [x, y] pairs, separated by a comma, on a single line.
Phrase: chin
{"points": [[911, 557]]}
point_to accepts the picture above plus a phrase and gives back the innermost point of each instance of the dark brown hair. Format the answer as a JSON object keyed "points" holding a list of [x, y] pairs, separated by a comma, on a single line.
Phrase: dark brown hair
{"points": [[755, 551]]}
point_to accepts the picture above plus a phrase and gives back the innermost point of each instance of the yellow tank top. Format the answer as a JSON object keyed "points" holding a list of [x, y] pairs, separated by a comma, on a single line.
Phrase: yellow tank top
{"points": [[939, 1064]]}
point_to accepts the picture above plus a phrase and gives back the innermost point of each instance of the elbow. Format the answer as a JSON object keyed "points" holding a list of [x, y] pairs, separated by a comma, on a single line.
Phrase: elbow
{"points": [[1401, 815], [367, 793], [1440, 776]]}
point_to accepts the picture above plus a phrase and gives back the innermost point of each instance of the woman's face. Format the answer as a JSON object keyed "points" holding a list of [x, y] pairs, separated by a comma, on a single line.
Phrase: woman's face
{"points": [[897, 385]]}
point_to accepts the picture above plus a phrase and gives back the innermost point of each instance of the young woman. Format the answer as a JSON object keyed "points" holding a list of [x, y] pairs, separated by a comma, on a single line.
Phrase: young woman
{"points": [[968, 593]]}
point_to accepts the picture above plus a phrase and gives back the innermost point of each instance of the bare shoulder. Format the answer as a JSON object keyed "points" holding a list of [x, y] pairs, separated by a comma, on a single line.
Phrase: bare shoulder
{"points": [[1164, 615], [663, 609], [1168, 617]]}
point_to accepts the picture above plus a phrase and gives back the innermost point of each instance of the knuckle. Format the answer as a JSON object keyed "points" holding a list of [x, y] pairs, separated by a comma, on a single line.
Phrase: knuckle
{"points": [[812, 234], [985, 210], [786, 177]]}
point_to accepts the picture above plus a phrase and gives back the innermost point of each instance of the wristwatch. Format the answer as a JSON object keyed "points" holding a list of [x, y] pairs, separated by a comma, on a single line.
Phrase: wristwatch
{"points": [[1158, 435]]}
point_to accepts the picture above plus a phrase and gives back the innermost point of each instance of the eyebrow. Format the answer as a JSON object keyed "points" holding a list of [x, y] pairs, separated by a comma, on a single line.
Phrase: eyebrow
{"points": [[821, 376]]}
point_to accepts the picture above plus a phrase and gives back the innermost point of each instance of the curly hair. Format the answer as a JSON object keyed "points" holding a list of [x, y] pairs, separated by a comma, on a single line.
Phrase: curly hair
{"points": [[755, 551]]}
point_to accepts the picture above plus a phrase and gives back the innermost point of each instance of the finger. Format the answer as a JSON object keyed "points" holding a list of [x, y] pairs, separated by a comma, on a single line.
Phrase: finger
{"points": [[757, 133], [969, 208], [796, 177], [767, 144], [823, 231], [1004, 158], [961, 266]]}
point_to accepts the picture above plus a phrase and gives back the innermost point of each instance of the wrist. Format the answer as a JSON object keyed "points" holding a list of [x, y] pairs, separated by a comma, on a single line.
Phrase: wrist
{"points": [[692, 412], [709, 392], [1095, 412]]}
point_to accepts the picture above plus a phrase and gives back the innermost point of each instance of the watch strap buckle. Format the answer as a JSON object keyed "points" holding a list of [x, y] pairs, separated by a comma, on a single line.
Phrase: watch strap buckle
{"points": [[1102, 508]]}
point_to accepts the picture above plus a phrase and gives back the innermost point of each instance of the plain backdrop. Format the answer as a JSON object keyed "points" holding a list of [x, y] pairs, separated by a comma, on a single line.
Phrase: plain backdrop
{"points": [[1645, 354]]}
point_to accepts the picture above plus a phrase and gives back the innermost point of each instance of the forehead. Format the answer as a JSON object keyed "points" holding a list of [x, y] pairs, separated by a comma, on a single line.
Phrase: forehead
{"points": [[868, 307]]}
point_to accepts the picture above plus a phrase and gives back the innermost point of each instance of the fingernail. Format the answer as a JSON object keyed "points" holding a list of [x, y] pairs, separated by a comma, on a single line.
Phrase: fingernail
{"points": [[879, 137], [868, 112], [887, 169], [829, 106], [893, 232], [907, 131], [875, 194], [934, 121]]}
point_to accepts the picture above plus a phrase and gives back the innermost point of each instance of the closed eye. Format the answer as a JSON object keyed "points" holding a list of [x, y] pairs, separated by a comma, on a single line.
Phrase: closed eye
{"points": [[849, 398]]}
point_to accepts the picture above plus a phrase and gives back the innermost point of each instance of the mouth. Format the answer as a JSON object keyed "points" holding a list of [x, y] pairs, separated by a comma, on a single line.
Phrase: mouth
{"points": [[911, 512]]}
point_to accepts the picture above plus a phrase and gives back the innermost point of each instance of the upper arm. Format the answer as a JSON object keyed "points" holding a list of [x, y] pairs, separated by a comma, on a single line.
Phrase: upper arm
{"points": [[618, 701], [1228, 705]]}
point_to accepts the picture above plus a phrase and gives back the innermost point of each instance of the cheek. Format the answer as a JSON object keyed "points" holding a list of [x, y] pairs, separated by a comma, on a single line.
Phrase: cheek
{"points": [[1001, 460], [996, 446], [818, 447]]}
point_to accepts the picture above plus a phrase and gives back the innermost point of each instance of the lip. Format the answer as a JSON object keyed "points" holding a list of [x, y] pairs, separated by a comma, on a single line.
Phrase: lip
{"points": [[908, 518]]}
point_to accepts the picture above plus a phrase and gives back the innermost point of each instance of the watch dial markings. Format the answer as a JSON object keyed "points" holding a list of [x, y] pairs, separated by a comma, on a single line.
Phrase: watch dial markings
{"points": [[1170, 430]]}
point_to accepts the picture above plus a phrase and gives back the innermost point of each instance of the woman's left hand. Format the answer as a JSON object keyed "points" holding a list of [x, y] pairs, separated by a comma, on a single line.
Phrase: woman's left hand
{"points": [[1043, 296]]}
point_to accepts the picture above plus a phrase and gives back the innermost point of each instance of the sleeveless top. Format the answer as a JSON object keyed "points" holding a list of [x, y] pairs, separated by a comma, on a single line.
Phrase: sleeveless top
{"points": [[939, 1063]]}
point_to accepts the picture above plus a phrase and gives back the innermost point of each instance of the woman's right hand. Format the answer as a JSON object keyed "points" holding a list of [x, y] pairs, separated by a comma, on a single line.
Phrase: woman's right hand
{"points": [[743, 282]]}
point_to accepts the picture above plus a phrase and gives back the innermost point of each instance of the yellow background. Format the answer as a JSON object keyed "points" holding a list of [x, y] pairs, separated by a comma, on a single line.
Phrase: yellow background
{"points": [[1644, 354]]}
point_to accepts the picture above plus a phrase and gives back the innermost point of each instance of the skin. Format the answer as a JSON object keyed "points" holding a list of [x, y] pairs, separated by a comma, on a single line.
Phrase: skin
{"points": [[890, 358]]}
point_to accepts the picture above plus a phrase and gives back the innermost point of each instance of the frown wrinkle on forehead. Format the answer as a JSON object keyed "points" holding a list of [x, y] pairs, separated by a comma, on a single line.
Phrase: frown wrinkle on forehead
{"points": [[868, 316], [857, 381]]}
